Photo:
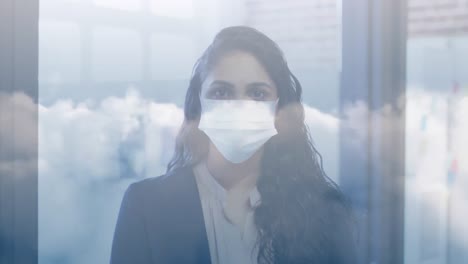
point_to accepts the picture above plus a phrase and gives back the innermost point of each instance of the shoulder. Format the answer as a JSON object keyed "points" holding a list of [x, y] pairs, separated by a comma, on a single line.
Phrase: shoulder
{"points": [[165, 180], [160, 188], [146, 216]]}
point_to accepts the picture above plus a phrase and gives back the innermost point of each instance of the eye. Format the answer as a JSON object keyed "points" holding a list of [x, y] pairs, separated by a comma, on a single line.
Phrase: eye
{"points": [[219, 93], [258, 94]]}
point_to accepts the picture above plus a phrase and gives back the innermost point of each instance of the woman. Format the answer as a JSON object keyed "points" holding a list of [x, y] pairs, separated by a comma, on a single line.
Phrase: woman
{"points": [[245, 184]]}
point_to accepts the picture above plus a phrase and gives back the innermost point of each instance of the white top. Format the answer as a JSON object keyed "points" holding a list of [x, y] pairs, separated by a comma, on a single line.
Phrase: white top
{"points": [[228, 243]]}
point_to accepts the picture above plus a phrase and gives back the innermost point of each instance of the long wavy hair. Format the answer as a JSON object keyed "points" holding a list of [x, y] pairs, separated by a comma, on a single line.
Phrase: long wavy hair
{"points": [[303, 217]]}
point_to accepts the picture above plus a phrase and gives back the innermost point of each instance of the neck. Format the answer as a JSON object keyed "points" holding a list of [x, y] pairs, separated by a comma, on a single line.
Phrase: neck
{"points": [[228, 174]]}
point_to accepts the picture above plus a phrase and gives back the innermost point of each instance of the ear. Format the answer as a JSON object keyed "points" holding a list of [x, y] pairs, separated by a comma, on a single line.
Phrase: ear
{"points": [[289, 118]]}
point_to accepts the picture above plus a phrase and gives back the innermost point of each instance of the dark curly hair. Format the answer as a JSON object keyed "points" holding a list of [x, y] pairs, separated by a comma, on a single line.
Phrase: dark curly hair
{"points": [[303, 216]]}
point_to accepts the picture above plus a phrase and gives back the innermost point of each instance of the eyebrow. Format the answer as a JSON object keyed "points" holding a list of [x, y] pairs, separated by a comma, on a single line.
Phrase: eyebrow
{"points": [[220, 82], [250, 85], [257, 84]]}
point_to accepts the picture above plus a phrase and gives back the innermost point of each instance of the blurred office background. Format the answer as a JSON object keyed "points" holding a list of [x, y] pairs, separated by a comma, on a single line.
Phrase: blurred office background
{"points": [[112, 80]]}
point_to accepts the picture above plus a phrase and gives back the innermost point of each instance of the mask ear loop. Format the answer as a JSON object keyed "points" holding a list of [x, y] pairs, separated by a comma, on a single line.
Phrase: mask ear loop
{"points": [[276, 106], [276, 114]]}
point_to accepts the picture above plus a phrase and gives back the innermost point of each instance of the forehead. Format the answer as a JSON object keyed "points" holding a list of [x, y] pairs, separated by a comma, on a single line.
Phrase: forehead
{"points": [[238, 67]]}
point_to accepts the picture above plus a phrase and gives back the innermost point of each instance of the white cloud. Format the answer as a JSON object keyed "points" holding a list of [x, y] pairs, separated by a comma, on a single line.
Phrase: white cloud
{"points": [[17, 135], [89, 152]]}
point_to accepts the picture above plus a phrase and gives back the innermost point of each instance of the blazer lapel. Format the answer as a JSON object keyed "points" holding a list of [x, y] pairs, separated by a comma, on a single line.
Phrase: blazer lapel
{"points": [[179, 234], [196, 233]]}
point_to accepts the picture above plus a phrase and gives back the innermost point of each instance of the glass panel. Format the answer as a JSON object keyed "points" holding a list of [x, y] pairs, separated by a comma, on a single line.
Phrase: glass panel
{"points": [[63, 61], [128, 5], [436, 132], [116, 54], [112, 87], [174, 8], [172, 56]]}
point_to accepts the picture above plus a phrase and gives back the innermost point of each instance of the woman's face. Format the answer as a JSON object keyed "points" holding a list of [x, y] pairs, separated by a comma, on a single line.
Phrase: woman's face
{"points": [[238, 75]]}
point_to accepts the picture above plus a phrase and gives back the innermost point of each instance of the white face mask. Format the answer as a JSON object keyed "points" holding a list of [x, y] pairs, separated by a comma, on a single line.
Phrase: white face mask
{"points": [[238, 128]]}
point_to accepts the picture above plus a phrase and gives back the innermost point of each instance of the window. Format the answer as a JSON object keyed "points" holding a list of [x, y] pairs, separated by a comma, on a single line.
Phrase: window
{"points": [[436, 172], [385, 94], [113, 76]]}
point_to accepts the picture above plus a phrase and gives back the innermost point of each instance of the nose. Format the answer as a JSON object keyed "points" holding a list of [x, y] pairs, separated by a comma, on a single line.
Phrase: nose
{"points": [[242, 92], [243, 96]]}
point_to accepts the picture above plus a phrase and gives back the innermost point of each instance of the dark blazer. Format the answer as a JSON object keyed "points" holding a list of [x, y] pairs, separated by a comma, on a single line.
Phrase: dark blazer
{"points": [[161, 221]]}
